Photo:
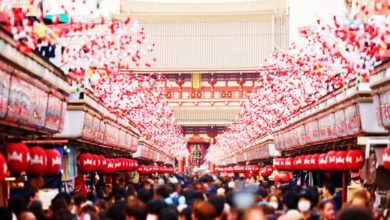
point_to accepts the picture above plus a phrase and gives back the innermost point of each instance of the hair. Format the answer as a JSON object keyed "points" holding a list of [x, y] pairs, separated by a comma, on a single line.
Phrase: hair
{"points": [[322, 204], [63, 215], [136, 209], [79, 200], [290, 199], [162, 191], [65, 196], [102, 204], [155, 206], [203, 211], [5, 213], [168, 213], [247, 213], [272, 195], [330, 187], [186, 213], [352, 213], [37, 209], [219, 204], [361, 194], [145, 195], [88, 209]]}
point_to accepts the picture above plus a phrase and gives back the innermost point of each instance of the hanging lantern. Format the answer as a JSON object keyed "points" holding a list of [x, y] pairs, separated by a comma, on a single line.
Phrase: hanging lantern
{"points": [[306, 162], [355, 159], [331, 159], [85, 162], [53, 166], [323, 162], [3, 168], [141, 169], [282, 164], [298, 163], [340, 160], [314, 162], [288, 163], [38, 161], [386, 158], [276, 163], [18, 157]]}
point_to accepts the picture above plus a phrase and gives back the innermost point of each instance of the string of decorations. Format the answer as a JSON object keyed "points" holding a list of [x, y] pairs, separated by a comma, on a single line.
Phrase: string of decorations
{"points": [[93, 54], [330, 57]]}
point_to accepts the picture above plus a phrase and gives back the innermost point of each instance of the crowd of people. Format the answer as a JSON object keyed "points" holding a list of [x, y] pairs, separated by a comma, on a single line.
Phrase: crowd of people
{"points": [[198, 198]]}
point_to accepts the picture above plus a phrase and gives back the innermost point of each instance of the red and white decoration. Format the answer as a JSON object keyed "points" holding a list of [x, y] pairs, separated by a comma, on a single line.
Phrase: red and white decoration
{"points": [[87, 162], [54, 162], [332, 160], [3, 168], [386, 158], [38, 161], [18, 157]]}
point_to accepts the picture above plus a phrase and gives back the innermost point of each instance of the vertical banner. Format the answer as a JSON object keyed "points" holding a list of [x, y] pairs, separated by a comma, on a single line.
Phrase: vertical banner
{"points": [[197, 153], [196, 80]]}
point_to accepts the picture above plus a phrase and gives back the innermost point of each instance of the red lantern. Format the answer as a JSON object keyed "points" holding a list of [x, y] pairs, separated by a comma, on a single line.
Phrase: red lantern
{"points": [[53, 162], [288, 163], [109, 167], [340, 160], [355, 159], [38, 161], [282, 164], [386, 158], [276, 163], [298, 162], [314, 162], [306, 162], [331, 158], [141, 169], [18, 157], [323, 162], [3, 168]]}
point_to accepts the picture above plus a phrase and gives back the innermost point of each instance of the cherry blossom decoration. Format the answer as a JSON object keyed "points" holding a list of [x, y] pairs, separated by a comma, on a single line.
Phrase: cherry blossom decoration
{"points": [[331, 57], [96, 54]]}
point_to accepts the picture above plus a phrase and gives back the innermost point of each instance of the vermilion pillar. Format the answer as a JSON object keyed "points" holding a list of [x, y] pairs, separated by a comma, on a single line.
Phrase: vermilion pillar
{"points": [[181, 165]]}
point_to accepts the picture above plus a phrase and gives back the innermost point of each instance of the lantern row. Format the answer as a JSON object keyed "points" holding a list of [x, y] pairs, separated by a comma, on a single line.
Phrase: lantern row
{"points": [[33, 160], [332, 160], [87, 162]]}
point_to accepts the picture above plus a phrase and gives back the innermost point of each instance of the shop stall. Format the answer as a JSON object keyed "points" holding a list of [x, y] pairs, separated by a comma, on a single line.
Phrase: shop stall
{"points": [[33, 100]]}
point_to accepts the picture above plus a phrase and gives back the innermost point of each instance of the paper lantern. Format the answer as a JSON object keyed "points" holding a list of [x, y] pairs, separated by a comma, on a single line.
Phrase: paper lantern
{"points": [[53, 166], [3, 168], [355, 159], [298, 162], [276, 163], [108, 166], [282, 163], [323, 162], [38, 160], [18, 157], [386, 158], [307, 162], [141, 169], [288, 163], [85, 162], [340, 160], [331, 160], [314, 162]]}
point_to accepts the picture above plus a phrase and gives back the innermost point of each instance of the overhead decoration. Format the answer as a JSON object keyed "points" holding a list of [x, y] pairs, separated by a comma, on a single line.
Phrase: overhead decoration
{"points": [[197, 153], [53, 162], [334, 56], [38, 160], [18, 157], [100, 55], [386, 158], [3, 168]]}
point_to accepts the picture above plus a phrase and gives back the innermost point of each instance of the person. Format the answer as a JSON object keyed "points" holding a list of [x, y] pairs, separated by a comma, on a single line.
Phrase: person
{"points": [[354, 213], [290, 200], [327, 211], [154, 208], [79, 200], [305, 205], [329, 193], [136, 210], [256, 213], [37, 209], [203, 211], [108, 194], [5, 214], [168, 213], [273, 201], [360, 199], [26, 215], [219, 205]]}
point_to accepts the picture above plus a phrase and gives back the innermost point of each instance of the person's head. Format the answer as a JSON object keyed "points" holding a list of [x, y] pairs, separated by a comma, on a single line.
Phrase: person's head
{"points": [[328, 190], [26, 216], [305, 201], [63, 215], [155, 206], [203, 211], [136, 210], [66, 197], [273, 201], [17, 205], [168, 213], [108, 189], [354, 213], [185, 214], [360, 199], [145, 195], [115, 212], [147, 185], [254, 213], [290, 199], [101, 205], [327, 210], [219, 204], [58, 205], [162, 192]]}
